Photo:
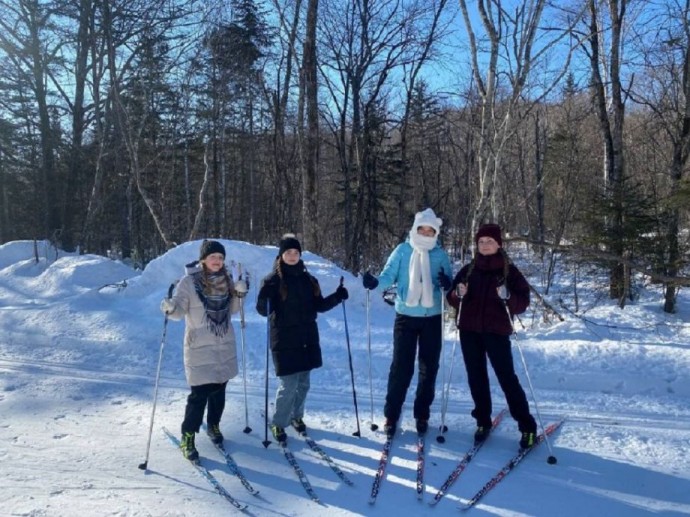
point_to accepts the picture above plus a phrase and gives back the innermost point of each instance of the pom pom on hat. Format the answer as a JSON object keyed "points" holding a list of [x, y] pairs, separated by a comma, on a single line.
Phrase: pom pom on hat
{"points": [[489, 230], [427, 218], [209, 247], [289, 242]]}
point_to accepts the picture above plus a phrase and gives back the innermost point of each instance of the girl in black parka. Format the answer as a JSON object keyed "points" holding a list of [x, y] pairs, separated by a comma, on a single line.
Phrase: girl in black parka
{"points": [[291, 298]]}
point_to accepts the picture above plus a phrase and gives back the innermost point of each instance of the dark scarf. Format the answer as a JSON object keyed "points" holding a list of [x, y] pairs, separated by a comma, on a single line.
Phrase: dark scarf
{"points": [[499, 261], [489, 262], [284, 270], [214, 292]]}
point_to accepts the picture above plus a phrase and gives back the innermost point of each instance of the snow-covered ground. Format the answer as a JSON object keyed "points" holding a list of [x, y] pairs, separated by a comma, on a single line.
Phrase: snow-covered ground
{"points": [[79, 348]]}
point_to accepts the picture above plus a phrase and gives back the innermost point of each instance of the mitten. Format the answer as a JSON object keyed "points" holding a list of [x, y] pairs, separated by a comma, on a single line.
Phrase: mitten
{"points": [[444, 281], [369, 281], [241, 288], [503, 292], [167, 306]]}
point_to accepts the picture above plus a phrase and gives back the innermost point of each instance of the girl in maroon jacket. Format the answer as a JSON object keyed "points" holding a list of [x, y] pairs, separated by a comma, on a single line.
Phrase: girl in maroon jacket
{"points": [[483, 292]]}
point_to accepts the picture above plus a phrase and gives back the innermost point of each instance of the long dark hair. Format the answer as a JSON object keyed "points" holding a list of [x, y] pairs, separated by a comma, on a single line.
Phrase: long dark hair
{"points": [[278, 270]]}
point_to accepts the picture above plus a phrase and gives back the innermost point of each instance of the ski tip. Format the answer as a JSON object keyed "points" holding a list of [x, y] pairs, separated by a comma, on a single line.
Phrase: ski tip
{"points": [[467, 506]]}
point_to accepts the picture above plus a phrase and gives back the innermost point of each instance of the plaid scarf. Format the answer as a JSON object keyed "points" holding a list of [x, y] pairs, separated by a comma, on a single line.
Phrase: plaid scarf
{"points": [[214, 292]]}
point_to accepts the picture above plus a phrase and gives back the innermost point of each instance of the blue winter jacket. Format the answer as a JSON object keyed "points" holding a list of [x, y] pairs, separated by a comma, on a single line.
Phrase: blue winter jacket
{"points": [[396, 271]]}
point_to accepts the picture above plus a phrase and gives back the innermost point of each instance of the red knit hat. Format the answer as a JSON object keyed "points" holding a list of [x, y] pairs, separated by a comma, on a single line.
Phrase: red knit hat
{"points": [[489, 230]]}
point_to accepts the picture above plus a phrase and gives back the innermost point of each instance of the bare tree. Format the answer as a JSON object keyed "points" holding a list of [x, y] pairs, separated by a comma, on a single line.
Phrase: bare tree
{"points": [[363, 46], [607, 91], [28, 39], [280, 198], [310, 136], [511, 55], [664, 90], [418, 57]]}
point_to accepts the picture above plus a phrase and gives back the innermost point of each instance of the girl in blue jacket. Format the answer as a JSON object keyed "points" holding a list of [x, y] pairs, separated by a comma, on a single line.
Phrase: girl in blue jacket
{"points": [[422, 271]]}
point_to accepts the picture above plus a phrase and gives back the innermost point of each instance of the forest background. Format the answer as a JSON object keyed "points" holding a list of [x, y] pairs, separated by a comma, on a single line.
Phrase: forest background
{"points": [[127, 126]]}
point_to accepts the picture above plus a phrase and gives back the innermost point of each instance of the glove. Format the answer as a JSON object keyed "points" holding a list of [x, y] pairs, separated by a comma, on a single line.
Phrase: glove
{"points": [[503, 292], [342, 293], [241, 288], [461, 290], [444, 280], [167, 306], [369, 281]]}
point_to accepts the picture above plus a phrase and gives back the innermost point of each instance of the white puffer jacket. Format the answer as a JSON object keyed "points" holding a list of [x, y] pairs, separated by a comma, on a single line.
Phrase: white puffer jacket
{"points": [[207, 358]]}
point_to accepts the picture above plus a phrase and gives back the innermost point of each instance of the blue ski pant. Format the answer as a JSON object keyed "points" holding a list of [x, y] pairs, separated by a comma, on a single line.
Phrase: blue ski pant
{"points": [[290, 397]]}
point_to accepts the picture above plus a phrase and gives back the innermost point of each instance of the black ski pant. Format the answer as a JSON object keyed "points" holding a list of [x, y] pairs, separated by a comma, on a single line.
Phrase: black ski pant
{"points": [[211, 395], [476, 347], [408, 333]]}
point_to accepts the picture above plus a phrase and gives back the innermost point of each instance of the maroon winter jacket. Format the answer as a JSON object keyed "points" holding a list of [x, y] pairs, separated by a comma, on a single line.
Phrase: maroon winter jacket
{"points": [[482, 310]]}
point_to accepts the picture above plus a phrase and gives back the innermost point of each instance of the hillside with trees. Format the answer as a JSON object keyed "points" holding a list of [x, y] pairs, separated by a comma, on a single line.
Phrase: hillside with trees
{"points": [[127, 126]]}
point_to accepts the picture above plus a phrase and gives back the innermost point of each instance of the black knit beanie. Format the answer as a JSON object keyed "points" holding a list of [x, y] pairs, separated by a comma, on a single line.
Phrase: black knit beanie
{"points": [[289, 242], [209, 247]]}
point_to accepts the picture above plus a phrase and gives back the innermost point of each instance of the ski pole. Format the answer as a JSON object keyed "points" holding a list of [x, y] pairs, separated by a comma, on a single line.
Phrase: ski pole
{"points": [[446, 393], [352, 371], [246, 429], [444, 408], [442, 428], [551, 460], [144, 465], [373, 427], [266, 441]]}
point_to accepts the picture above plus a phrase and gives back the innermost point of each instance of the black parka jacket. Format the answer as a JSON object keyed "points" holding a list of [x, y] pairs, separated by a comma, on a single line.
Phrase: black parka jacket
{"points": [[294, 334]]}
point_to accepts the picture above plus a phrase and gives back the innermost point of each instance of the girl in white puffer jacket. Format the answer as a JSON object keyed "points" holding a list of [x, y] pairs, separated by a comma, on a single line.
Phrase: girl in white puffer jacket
{"points": [[206, 297]]}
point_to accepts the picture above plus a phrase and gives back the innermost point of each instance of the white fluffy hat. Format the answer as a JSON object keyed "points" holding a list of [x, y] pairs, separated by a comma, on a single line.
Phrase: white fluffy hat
{"points": [[427, 218]]}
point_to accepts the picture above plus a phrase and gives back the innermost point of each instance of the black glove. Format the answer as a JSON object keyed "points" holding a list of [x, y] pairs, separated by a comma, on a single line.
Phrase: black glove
{"points": [[369, 281], [444, 281], [342, 293]]}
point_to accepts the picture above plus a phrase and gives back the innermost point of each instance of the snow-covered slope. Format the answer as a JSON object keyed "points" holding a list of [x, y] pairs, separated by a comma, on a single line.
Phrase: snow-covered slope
{"points": [[79, 345]]}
